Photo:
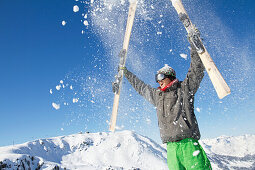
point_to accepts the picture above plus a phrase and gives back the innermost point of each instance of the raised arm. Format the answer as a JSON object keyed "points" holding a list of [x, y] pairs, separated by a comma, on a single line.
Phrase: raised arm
{"points": [[195, 73], [143, 89]]}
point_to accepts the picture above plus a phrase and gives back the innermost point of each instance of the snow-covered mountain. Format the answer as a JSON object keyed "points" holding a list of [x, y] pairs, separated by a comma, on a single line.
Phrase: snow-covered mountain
{"points": [[124, 150], [231, 152]]}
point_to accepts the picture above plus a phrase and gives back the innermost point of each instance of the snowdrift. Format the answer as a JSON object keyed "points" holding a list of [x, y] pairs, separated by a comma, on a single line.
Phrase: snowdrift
{"points": [[124, 150]]}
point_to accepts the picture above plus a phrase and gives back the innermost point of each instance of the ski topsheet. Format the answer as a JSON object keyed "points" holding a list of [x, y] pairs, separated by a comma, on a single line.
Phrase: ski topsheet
{"points": [[123, 54], [218, 82]]}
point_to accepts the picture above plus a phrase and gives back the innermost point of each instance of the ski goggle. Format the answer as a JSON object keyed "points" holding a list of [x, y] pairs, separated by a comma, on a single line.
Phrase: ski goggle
{"points": [[160, 77]]}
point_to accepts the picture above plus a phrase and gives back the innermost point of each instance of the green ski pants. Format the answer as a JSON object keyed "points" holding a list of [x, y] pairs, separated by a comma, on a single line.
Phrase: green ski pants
{"points": [[187, 154]]}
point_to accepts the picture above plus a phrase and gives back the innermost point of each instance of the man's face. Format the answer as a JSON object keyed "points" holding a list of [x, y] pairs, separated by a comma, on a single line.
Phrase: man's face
{"points": [[164, 82]]}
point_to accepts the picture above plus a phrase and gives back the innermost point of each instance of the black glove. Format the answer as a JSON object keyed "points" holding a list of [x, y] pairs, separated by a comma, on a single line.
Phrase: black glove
{"points": [[115, 87], [195, 41]]}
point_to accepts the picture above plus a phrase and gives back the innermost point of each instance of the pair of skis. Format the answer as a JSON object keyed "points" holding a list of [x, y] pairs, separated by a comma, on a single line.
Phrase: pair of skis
{"points": [[218, 82]]}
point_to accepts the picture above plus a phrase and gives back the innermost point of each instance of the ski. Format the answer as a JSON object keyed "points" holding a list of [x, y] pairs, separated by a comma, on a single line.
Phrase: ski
{"points": [[218, 81], [123, 55]]}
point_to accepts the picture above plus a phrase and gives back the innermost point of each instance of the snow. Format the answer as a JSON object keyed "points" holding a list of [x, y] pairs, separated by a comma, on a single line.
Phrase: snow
{"points": [[110, 21], [184, 56], [95, 151], [195, 153], [198, 109], [75, 8], [63, 23], [58, 87], [231, 146], [51, 91], [56, 106], [85, 22], [120, 150], [165, 69], [75, 100]]}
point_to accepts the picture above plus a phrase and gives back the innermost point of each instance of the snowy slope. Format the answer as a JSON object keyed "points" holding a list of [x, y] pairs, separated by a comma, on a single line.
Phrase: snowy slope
{"points": [[231, 152], [118, 150], [121, 150]]}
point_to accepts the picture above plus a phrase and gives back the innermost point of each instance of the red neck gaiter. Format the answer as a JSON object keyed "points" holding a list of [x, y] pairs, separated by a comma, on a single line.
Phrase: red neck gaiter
{"points": [[169, 85]]}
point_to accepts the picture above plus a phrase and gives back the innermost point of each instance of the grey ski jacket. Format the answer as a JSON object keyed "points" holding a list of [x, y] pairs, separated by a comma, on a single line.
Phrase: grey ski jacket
{"points": [[175, 106]]}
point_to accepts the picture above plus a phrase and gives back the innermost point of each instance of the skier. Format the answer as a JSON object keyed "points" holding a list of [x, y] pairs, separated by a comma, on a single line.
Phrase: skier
{"points": [[174, 101]]}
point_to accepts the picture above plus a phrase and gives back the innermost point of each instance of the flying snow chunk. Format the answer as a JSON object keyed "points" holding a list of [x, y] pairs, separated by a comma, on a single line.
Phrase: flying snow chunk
{"points": [[50, 91], [71, 87], [58, 87], [75, 8], [56, 106], [159, 33], [195, 153], [122, 2], [61, 81], [198, 109], [85, 23], [184, 56], [75, 100], [63, 23]]}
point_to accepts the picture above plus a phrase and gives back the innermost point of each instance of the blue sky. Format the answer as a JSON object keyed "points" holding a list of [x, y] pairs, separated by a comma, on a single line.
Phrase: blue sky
{"points": [[37, 52]]}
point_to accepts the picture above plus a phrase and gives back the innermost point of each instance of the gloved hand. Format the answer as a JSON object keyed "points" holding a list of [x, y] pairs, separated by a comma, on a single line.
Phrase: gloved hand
{"points": [[190, 36], [195, 41], [190, 42], [115, 87]]}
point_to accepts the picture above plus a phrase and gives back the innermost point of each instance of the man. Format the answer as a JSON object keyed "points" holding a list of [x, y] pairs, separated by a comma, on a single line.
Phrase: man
{"points": [[174, 101]]}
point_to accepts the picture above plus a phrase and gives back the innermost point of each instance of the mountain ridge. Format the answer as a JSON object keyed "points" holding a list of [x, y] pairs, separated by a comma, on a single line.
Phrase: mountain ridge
{"points": [[120, 150]]}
